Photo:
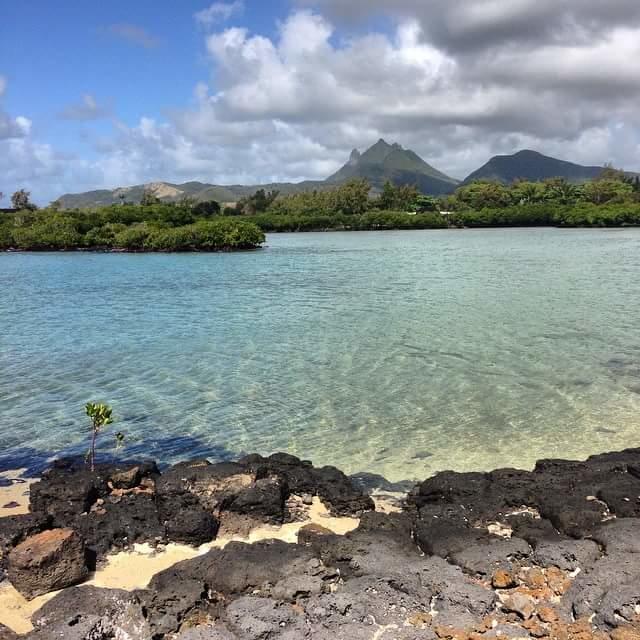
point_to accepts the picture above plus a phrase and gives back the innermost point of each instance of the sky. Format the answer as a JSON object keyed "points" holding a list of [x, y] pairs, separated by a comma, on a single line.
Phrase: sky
{"points": [[100, 95]]}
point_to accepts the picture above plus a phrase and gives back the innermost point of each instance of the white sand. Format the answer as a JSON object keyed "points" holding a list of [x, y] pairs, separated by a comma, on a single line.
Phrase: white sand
{"points": [[134, 569], [17, 492], [388, 502], [131, 570], [16, 611]]}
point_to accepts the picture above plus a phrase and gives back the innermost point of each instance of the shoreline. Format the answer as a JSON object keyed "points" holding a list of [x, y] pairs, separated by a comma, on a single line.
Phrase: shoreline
{"points": [[133, 568], [250, 249], [550, 553], [130, 251]]}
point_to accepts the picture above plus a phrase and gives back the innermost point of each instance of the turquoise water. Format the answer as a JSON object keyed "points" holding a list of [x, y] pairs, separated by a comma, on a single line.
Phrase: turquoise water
{"points": [[402, 353]]}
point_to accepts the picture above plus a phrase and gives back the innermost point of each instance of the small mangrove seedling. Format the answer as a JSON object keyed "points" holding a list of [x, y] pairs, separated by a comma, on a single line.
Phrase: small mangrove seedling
{"points": [[101, 416], [119, 440]]}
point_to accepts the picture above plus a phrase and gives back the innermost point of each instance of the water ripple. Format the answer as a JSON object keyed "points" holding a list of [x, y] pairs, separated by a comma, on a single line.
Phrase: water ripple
{"points": [[401, 353]]}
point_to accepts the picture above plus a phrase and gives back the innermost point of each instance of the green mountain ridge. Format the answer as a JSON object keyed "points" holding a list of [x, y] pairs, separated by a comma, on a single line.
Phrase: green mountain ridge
{"points": [[379, 163], [384, 161], [533, 166]]}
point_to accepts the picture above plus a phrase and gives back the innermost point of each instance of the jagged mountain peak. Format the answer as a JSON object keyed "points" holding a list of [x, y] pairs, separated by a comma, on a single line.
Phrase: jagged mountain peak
{"points": [[355, 156], [383, 161]]}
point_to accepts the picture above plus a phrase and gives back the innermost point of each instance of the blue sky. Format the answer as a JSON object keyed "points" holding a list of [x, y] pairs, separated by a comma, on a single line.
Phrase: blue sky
{"points": [[64, 50], [99, 95]]}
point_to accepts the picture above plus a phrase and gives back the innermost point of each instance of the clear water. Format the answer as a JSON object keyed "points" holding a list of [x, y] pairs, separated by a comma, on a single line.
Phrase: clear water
{"points": [[401, 353]]}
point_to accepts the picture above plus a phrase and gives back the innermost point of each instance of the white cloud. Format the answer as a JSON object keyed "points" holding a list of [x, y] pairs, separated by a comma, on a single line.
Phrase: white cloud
{"points": [[466, 26], [10, 127], [457, 84], [134, 34], [218, 12], [87, 109]]}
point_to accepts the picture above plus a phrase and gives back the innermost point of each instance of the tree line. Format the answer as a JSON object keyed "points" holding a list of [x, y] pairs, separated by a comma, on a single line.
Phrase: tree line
{"points": [[612, 199], [153, 226]]}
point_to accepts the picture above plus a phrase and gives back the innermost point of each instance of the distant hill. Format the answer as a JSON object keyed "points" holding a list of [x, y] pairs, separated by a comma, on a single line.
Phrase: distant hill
{"points": [[379, 163], [384, 161], [169, 192], [531, 165]]}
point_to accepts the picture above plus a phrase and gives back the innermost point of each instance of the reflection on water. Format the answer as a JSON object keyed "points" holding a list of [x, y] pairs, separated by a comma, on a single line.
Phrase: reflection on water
{"points": [[401, 353]]}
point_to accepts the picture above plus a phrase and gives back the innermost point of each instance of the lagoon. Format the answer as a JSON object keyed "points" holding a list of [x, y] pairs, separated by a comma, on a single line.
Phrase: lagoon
{"points": [[400, 353]]}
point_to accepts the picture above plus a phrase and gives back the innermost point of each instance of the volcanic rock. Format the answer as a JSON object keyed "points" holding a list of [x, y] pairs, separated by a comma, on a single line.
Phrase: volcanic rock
{"points": [[46, 562], [14, 529], [263, 500]]}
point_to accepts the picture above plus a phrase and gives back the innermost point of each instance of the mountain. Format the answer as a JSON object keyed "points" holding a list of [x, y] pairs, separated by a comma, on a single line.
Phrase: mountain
{"points": [[531, 165], [379, 163], [169, 192], [384, 161], [163, 190]]}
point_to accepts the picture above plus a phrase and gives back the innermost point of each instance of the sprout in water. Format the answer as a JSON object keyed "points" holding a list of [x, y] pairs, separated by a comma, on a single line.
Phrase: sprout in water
{"points": [[119, 440]]}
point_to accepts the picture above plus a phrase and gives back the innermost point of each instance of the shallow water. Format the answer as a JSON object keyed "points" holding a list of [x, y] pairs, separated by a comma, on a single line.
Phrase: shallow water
{"points": [[402, 353]]}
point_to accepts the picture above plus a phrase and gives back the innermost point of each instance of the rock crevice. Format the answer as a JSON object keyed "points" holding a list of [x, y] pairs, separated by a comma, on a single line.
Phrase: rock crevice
{"points": [[552, 553]]}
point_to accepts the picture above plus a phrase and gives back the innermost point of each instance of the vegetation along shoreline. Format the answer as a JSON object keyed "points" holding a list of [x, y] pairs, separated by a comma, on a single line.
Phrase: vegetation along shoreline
{"points": [[612, 199]]}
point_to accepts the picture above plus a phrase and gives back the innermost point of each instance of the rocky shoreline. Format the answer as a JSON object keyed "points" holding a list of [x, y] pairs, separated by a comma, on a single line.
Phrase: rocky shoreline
{"points": [[552, 553]]}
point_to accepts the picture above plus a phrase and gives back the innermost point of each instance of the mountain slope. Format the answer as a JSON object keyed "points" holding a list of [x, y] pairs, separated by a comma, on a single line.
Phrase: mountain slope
{"points": [[531, 165], [384, 161], [379, 163], [169, 192]]}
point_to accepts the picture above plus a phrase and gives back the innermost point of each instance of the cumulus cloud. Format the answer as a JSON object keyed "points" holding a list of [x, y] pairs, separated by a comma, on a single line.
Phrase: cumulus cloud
{"points": [[87, 109], [25, 162], [404, 86], [134, 35], [472, 25], [38, 167], [10, 127], [456, 81], [218, 12]]}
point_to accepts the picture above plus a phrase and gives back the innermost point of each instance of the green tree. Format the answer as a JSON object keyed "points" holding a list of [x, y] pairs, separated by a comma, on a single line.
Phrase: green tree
{"points": [[424, 204], [604, 190], [351, 198], [611, 173], [206, 209], [230, 210], [259, 202], [398, 198], [101, 416], [483, 194], [43, 231], [104, 236], [387, 197], [132, 238], [21, 200], [560, 190], [525, 192]]}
